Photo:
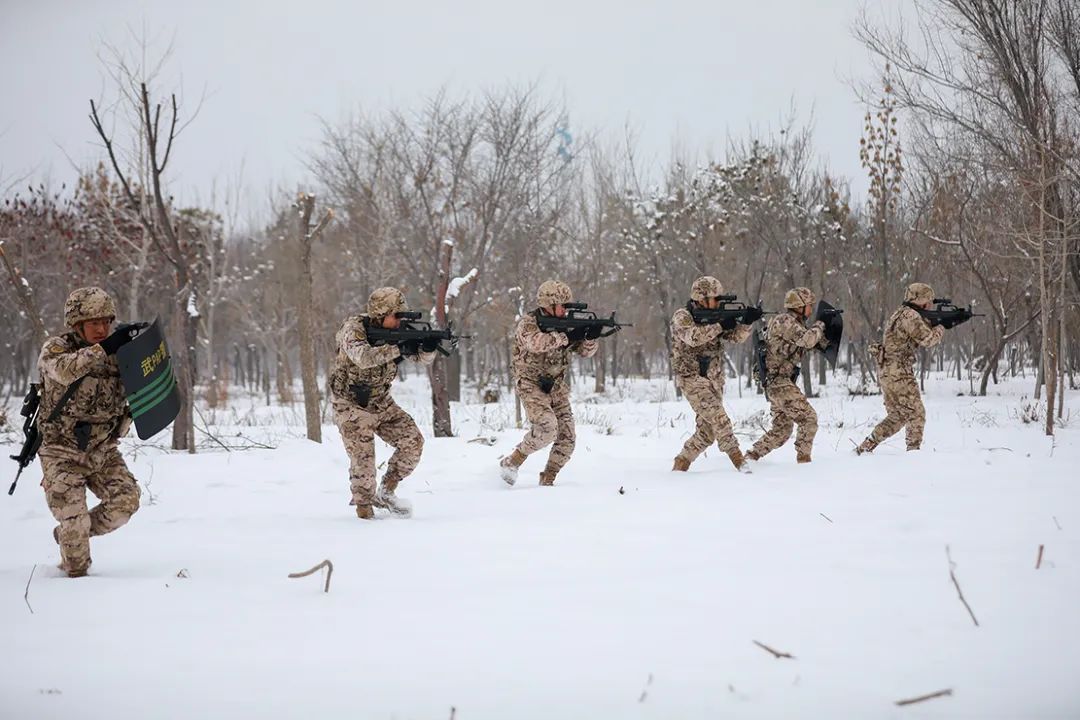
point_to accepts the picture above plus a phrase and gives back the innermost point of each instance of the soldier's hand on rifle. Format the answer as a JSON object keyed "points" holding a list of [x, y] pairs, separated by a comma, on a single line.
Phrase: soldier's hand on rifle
{"points": [[751, 315], [575, 334], [430, 345], [409, 348], [593, 332], [121, 336]]}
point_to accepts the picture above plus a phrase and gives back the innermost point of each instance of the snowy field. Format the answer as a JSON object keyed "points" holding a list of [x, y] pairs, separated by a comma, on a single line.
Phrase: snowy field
{"points": [[624, 592]]}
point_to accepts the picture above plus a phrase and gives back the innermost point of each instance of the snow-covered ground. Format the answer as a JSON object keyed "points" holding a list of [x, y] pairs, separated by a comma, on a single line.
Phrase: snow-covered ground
{"points": [[626, 591]]}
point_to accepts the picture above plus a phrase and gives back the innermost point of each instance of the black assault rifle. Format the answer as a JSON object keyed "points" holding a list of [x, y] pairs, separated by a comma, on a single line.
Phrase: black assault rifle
{"points": [[945, 314], [730, 313], [580, 323], [413, 335], [32, 436]]}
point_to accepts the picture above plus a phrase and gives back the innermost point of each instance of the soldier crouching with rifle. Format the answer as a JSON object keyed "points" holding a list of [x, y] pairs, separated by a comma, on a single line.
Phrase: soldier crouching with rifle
{"points": [[540, 361], [83, 415], [360, 389]]}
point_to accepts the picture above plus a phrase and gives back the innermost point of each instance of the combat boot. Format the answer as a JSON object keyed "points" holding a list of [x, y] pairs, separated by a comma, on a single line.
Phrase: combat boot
{"points": [[508, 466], [386, 499], [681, 464], [867, 446], [752, 454], [739, 460], [364, 511], [547, 478], [803, 457]]}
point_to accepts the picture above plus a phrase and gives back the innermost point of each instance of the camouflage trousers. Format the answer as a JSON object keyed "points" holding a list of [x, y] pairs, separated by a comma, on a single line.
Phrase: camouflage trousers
{"points": [[706, 397], [789, 408], [550, 421], [358, 430], [904, 409], [66, 480]]}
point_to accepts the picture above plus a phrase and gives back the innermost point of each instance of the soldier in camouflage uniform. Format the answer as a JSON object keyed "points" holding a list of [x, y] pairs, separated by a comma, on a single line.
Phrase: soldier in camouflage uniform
{"points": [[905, 331], [697, 359], [786, 341], [360, 389], [79, 448], [540, 361]]}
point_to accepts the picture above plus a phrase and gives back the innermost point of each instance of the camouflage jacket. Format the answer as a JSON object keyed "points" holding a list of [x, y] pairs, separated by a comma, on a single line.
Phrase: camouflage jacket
{"points": [[905, 331], [786, 341], [357, 363], [691, 342], [536, 353], [98, 406]]}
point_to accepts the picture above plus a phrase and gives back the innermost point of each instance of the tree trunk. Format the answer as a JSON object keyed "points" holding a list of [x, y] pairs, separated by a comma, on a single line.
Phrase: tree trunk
{"points": [[305, 315]]}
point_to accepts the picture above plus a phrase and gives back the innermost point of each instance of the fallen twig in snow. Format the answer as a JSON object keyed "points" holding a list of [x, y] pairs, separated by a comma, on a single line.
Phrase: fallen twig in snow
{"points": [[453, 712], [324, 564], [1054, 518], [825, 516], [931, 696], [183, 574], [957, 584], [26, 593], [645, 691], [484, 440], [1038, 560], [775, 653]]}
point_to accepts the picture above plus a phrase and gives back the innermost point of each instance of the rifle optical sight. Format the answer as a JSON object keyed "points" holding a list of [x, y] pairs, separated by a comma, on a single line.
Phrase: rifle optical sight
{"points": [[727, 298], [943, 301], [408, 315], [576, 306]]}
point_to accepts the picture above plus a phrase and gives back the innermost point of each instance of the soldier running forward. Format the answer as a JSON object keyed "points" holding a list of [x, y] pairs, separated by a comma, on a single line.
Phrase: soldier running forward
{"points": [[786, 341], [697, 359], [360, 388], [895, 356], [84, 414], [540, 362]]}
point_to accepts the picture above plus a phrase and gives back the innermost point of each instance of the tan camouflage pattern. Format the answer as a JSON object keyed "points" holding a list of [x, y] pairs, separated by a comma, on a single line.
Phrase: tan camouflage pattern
{"points": [[384, 301], [99, 399], [904, 333], [358, 429], [789, 408], [786, 340], [535, 354], [68, 472], [551, 420], [66, 481], [358, 362], [799, 297], [919, 293], [706, 397], [705, 287], [553, 292], [88, 303], [689, 341]]}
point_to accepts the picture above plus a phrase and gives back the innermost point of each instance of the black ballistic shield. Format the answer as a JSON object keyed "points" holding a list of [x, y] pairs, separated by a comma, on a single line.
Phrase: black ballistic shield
{"points": [[834, 329], [149, 382]]}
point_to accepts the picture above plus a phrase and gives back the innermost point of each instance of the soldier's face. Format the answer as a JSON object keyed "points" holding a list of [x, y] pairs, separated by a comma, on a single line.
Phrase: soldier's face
{"points": [[96, 329], [557, 311], [391, 322], [711, 303], [807, 311]]}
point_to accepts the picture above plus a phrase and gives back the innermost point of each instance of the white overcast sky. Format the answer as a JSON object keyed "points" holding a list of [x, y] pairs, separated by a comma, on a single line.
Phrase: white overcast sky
{"points": [[691, 72]]}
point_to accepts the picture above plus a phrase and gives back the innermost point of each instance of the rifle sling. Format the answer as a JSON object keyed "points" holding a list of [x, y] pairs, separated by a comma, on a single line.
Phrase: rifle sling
{"points": [[63, 400]]}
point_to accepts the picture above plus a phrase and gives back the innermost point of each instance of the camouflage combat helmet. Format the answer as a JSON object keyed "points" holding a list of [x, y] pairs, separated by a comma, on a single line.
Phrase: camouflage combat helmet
{"points": [[88, 303], [799, 297], [553, 292], [705, 287], [384, 301], [919, 293]]}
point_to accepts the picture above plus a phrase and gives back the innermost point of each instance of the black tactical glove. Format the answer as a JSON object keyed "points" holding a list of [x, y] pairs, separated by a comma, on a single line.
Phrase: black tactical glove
{"points": [[593, 332], [430, 345], [410, 348], [122, 335], [575, 335], [751, 315]]}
